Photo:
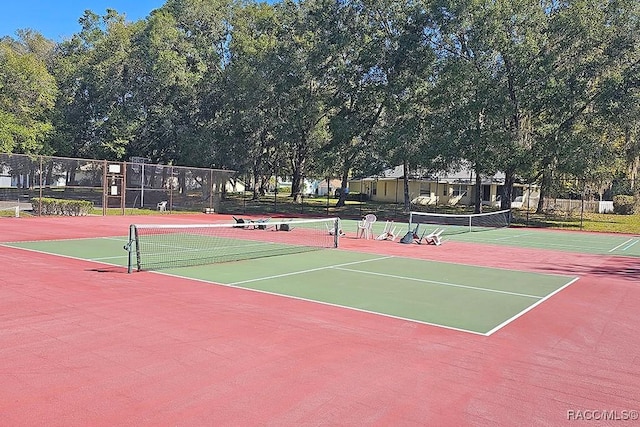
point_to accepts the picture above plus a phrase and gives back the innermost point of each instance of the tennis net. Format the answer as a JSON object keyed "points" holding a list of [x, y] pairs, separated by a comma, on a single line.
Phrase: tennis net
{"points": [[158, 246], [462, 223]]}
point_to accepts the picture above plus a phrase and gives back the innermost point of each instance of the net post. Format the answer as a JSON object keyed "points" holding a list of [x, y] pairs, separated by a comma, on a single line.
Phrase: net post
{"points": [[127, 247], [336, 232], [133, 240], [136, 239]]}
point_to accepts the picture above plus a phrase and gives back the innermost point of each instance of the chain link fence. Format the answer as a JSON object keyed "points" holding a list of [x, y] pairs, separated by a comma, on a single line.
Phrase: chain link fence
{"points": [[563, 199], [571, 197], [119, 186], [571, 200]]}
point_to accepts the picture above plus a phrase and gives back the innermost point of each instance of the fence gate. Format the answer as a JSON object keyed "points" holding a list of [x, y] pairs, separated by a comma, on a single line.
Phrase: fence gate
{"points": [[114, 191]]}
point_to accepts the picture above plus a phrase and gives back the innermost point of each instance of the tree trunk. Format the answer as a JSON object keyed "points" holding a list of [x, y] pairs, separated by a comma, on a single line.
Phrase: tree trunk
{"points": [[255, 187], [296, 186], [544, 187], [342, 200], [182, 182], [49, 175], [477, 196], [405, 179], [71, 177], [507, 190], [297, 170]]}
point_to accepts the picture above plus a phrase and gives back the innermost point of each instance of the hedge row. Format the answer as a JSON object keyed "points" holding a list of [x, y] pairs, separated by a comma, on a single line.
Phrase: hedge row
{"points": [[62, 207], [624, 205], [352, 197]]}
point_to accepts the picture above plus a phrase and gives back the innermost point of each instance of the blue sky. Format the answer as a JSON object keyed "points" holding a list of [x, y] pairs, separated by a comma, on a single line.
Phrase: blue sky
{"points": [[58, 19]]}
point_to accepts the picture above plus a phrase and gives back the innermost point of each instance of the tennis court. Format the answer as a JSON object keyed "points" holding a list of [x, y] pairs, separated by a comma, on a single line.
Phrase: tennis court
{"points": [[467, 298], [593, 243], [496, 327], [494, 231]]}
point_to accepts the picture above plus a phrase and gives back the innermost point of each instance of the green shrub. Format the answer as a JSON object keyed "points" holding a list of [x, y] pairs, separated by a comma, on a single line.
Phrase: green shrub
{"points": [[357, 197], [623, 204], [51, 206]]}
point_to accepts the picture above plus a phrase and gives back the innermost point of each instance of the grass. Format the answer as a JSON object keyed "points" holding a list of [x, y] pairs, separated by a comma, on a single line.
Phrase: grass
{"points": [[609, 223]]}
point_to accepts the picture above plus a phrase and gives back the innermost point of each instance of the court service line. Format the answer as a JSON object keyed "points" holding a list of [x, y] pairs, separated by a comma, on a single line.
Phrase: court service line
{"points": [[435, 282], [620, 245], [117, 239], [632, 243], [293, 273], [531, 307], [511, 237]]}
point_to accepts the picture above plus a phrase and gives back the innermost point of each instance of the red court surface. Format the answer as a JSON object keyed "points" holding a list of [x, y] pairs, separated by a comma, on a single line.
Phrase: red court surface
{"points": [[81, 347]]}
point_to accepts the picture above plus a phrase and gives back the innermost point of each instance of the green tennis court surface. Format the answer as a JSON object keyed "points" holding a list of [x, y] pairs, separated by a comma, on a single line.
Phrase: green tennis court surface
{"points": [[568, 241], [591, 243], [473, 299]]}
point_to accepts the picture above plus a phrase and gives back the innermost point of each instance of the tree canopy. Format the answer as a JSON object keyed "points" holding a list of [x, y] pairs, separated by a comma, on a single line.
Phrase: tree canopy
{"points": [[535, 89]]}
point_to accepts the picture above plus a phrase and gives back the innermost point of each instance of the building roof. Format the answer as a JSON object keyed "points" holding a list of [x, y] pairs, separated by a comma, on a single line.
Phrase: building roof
{"points": [[460, 176]]}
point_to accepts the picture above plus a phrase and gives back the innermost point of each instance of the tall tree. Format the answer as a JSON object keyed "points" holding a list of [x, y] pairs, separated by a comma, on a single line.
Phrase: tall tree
{"points": [[585, 50], [95, 117], [27, 94], [468, 91], [249, 119], [181, 54], [303, 88]]}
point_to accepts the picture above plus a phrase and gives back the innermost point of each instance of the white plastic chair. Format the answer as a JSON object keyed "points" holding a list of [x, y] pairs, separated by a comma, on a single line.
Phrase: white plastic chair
{"points": [[162, 206], [365, 227], [434, 237], [332, 230], [389, 232]]}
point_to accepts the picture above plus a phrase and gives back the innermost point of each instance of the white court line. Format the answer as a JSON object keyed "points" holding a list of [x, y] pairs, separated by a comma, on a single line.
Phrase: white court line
{"points": [[126, 256], [60, 255], [511, 237], [540, 299], [627, 247], [538, 243], [70, 239], [117, 239], [315, 301], [453, 285], [307, 271], [526, 310], [620, 245]]}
